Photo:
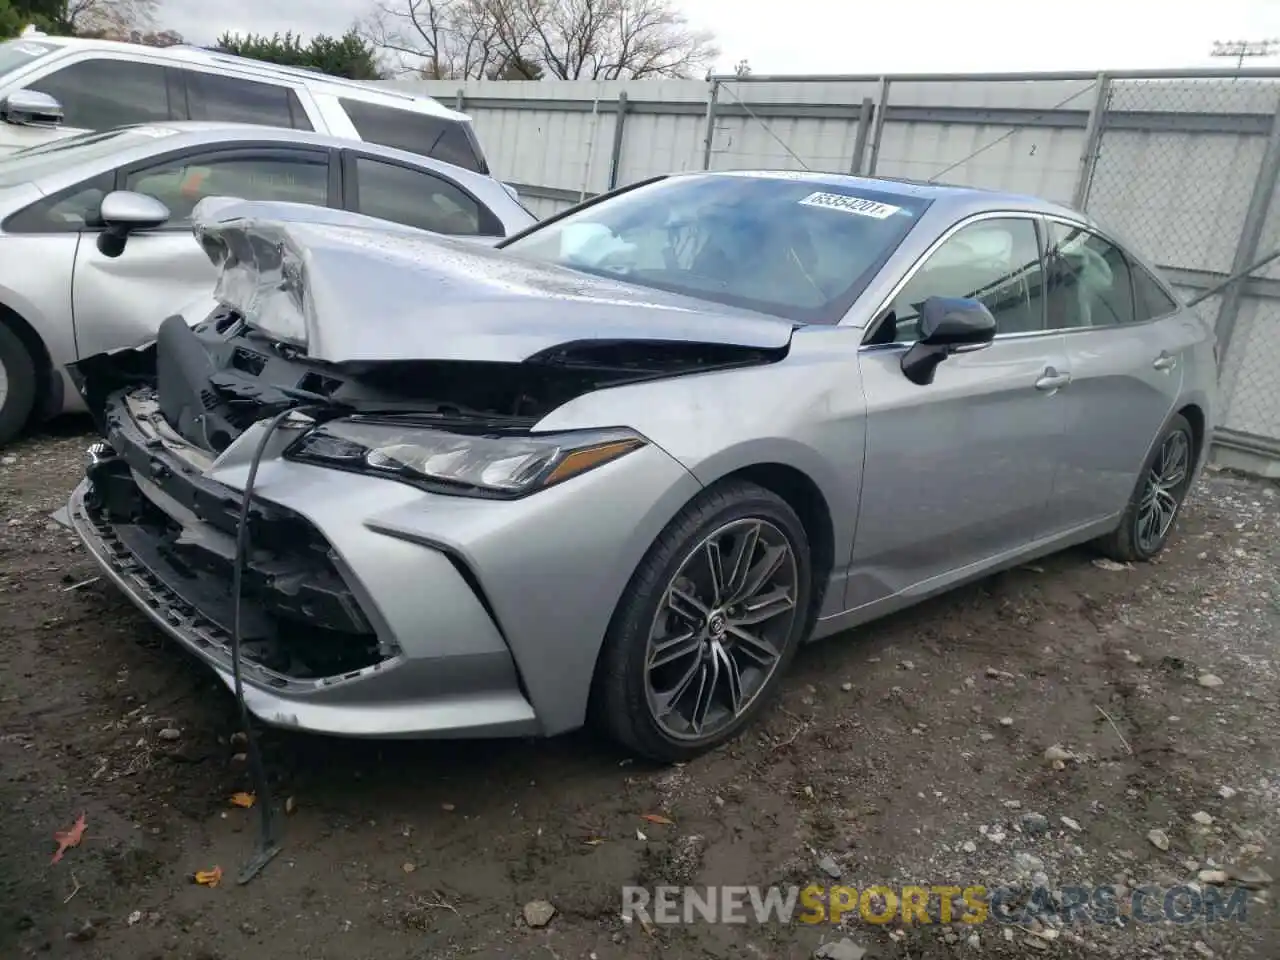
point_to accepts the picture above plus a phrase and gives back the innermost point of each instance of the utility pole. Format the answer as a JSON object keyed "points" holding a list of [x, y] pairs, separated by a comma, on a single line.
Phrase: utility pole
{"points": [[1239, 49]]}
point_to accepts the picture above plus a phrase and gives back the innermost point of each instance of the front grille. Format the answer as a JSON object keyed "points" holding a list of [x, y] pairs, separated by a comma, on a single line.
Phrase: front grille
{"points": [[299, 619]]}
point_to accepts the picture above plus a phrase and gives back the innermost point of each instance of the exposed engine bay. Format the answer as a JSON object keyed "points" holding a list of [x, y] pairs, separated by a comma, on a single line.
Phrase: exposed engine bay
{"points": [[214, 380]]}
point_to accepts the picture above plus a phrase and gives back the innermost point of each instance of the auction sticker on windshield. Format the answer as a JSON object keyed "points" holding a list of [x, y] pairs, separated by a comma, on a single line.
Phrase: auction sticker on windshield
{"points": [[848, 204]]}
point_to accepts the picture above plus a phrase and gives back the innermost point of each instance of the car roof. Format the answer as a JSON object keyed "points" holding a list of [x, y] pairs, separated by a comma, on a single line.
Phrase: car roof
{"points": [[958, 198], [202, 56]]}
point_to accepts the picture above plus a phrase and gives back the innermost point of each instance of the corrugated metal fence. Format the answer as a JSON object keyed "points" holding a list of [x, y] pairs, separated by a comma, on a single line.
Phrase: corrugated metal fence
{"points": [[1184, 165]]}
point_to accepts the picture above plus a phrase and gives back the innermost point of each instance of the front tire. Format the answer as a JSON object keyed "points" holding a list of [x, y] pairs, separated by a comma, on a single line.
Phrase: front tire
{"points": [[17, 385], [1157, 499], [707, 625]]}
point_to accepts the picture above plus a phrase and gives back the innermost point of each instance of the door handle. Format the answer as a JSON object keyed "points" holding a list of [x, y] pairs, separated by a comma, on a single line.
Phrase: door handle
{"points": [[1164, 362], [1052, 380]]}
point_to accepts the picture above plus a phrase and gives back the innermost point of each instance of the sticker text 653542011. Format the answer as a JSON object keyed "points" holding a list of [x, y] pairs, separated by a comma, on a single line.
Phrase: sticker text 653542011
{"points": [[848, 204]]}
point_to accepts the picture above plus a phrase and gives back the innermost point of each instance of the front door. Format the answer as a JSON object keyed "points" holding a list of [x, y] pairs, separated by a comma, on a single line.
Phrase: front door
{"points": [[960, 471], [120, 302]]}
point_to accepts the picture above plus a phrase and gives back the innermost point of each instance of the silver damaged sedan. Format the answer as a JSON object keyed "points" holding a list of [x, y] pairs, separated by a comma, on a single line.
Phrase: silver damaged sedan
{"points": [[620, 467]]}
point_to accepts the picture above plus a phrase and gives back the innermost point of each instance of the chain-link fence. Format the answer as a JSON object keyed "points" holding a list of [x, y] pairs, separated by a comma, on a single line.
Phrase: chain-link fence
{"points": [[1183, 165]]}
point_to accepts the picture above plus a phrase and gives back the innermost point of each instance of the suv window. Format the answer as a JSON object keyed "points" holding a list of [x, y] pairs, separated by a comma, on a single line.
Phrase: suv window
{"points": [[181, 184], [418, 133], [1150, 299], [995, 261], [97, 94], [417, 199], [1089, 284], [211, 96]]}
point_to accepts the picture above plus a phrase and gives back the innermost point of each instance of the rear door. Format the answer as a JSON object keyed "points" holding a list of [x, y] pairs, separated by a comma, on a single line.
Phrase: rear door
{"points": [[960, 471], [121, 302], [1127, 348]]}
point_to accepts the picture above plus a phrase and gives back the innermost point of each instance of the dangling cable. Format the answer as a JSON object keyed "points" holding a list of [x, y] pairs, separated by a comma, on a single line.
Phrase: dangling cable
{"points": [[268, 840]]}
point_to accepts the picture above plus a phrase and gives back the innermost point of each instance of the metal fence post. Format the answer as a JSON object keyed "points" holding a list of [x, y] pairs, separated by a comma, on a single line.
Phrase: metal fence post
{"points": [[459, 100], [619, 122], [860, 142], [1092, 142], [882, 109], [712, 96], [1255, 219]]}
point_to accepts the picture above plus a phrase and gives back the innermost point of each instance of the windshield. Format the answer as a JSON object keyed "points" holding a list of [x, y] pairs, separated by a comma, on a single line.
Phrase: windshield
{"points": [[58, 155], [797, 247], [18, 53]]}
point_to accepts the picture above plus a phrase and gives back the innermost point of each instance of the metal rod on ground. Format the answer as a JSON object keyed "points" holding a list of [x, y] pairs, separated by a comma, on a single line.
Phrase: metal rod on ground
{"points": [[1255, 218]]}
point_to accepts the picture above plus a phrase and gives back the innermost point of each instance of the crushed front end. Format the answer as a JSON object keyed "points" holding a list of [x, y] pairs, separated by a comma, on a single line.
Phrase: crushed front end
{"points": [[423, 559], [321, 649]]}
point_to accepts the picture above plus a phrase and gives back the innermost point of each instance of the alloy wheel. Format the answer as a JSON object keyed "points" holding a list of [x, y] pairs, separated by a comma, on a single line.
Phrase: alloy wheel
{"points": [[1162, 491], [721, 629]]}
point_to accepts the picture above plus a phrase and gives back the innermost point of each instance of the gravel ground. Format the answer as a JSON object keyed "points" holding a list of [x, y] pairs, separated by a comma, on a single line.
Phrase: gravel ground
{"points": [[1033, 729]]}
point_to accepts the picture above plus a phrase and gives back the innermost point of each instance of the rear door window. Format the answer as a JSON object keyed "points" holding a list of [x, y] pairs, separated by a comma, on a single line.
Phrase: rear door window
{"points": [[1150, 300], [98, 94], [212, 96], [418, 133], [420, 199]]}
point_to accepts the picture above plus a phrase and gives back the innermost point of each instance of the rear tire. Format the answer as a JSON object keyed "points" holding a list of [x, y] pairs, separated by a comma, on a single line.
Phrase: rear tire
{"points": [[17, 385], [1157, 498], [691, 658]]}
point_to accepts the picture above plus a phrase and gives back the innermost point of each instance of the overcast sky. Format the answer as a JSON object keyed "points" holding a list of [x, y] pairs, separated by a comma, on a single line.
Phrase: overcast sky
{"points": [[870, 36]]}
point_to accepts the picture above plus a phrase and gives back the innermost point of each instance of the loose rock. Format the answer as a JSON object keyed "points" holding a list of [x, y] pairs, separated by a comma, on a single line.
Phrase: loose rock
{"points": [[828, 866], [538, 913], [1202, 818], [1034, 823], [1071, 824], [1159, 839], [843, 949], [1215, 877], [1006, 721], [1209, 680], [169, 733], [1058, 753], [1226, 793]]}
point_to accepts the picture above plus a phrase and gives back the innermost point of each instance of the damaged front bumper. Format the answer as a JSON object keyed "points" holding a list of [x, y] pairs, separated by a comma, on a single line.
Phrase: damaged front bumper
{"points": [[317, 651], [373, 608]]}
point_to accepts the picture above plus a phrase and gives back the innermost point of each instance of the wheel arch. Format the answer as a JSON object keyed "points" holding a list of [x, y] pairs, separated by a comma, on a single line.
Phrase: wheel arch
{"points": [[45, 402], [1194, 415]]}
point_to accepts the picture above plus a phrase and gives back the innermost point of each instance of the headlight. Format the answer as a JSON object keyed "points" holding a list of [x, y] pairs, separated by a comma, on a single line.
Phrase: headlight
{"points": [[478, 465]]}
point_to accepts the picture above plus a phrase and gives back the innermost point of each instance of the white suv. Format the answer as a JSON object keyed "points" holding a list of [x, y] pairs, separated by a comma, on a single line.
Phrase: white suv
{"points": [[54, 86]]}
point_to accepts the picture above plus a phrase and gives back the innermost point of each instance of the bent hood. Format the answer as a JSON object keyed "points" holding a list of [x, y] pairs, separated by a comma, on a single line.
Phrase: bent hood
{"points": [[358, 293]]}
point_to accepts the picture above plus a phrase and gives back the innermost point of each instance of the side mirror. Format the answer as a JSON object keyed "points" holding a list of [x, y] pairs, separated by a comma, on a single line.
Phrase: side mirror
{"points": [[947, 325], [30, 107], [123, 212]]}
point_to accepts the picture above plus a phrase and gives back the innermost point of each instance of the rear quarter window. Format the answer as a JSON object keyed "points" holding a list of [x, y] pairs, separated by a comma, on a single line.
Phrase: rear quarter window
{"points": [[413, 132]]}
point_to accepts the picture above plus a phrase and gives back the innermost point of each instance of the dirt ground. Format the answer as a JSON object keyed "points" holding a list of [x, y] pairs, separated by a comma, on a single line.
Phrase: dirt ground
{"points": [[912, 752]]}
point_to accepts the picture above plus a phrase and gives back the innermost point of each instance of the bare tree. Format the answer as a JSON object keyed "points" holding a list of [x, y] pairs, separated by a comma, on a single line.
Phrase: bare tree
{"points": [[565, 39], [110, 19]]}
